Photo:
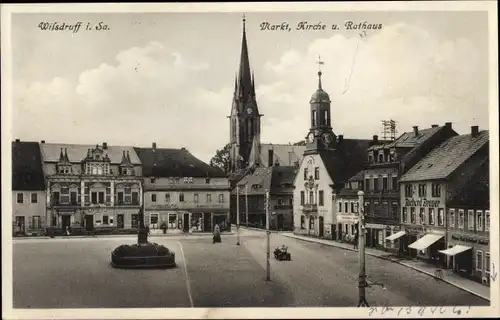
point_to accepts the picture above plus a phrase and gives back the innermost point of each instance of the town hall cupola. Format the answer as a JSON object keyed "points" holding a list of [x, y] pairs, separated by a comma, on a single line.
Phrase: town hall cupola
{"points": [[245, 116], [320, 136]]}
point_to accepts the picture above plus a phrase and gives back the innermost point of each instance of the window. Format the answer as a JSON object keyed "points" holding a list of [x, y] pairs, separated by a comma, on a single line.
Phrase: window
{"points": [[451, 221], [167, 197], [135, 221], [311, 223], [326, 117], [321, 199], [19, 198], [135, 197], [346, 207], [221, 198], [73, 197], [381, 157], [314, 118], [412, 215], [105, 219], [352, 207], [195, 198], [34, 198], [120, 197], [340, 206], [370, 157], [470, 220], [385, 185], [153, 197], [181, 197], [422, 215], [311, 197], [302, 198], [55, 198], [207, 180], [487, 220], [431, 216], [36, 222], [316, 173], [302, 222], [367, 184], [305, 173], [394, 183], [404, 215], [209, 198], [436, 190], [479, 222], [479, 260], [375, 184], [461, 218], [101, 197], [422, 190], [487, 262], [440, 217], [408, 190], [94, 197]]}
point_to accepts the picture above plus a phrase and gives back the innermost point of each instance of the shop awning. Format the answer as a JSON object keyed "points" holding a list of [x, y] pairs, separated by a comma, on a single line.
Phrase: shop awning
{"points": [[455, 250], [424, 242], [395, 236]]}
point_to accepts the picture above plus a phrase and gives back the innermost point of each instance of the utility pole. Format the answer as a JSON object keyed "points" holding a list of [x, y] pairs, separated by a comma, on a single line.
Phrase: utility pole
{"points": [[268, 240], [246, 204], [237, 214], [361, 244]]}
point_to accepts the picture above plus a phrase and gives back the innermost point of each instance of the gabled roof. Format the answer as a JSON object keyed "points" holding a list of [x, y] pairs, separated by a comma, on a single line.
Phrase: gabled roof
{"points": [[160, 162], [476, 193], [443, 160], [285, 154], [27, 169], [283, 179], [257, 181], [410, 140], [78, 152]]}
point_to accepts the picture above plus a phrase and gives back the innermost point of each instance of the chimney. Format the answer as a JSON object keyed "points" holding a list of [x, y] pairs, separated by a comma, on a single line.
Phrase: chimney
{"points": [[276, 163], [17, 140], [474, 130], [375, 139], [43, 141], [448, 125], [105, 145], [434, 126], [270, 160], [183, 148], [154, 145], [341, 138], [415, 130]]}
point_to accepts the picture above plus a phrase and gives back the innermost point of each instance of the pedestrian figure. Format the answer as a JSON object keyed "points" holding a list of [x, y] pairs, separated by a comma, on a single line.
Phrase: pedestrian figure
{"points": [[67, 230], [356, 241], [216, 237]]}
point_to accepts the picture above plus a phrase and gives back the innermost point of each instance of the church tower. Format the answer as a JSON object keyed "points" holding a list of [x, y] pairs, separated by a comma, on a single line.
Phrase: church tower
{"points": [[245, 116], [320, 136]]}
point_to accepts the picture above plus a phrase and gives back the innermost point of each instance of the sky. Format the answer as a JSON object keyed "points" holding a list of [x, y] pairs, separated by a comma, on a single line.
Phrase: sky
{"points": [[169, 77]]}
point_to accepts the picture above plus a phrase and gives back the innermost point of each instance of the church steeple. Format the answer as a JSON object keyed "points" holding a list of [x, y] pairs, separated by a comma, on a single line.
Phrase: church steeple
{"points": [[244, 86]]}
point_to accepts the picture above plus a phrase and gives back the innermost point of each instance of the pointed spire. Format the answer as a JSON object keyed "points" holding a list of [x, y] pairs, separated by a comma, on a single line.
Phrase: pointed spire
{"points": [[244, 76]]}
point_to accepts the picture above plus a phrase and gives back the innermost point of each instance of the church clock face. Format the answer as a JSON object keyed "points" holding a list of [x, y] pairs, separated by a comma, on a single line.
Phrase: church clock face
{"points": [[310, 137], [249, 110], [327, 137]]}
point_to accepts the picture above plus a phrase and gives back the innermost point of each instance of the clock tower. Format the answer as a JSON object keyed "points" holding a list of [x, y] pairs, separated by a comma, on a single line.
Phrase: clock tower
{"points": [[245, 116], [320, 136]]}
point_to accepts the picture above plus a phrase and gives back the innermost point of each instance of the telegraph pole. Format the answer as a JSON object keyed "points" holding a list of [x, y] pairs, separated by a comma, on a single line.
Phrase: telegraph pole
{"points": [[237, 214], [268, 240], [246, 204], [361, 244]]}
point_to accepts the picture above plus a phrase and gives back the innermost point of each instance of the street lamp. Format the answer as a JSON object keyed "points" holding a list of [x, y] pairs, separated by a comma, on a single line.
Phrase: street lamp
{"points": [[237, 214], [361, 244], [268, 240]]}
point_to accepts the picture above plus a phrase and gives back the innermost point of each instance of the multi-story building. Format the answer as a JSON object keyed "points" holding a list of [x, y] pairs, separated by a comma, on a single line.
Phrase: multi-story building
{"points": [[386, 162], [329, 161], [28, 189], [182, 191], [91, 186], [347, 208], [468, 236], [430, 184], [278, 181]]}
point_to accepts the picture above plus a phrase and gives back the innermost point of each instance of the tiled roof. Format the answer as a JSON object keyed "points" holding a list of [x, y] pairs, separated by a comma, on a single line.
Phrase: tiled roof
{"points": [[345, 162], [283, 179], [358, 176], [161, 162], [447, 157], [286, 154], [410, 140], [258, 180], [78, 152], [27, 168], [476, 193]]}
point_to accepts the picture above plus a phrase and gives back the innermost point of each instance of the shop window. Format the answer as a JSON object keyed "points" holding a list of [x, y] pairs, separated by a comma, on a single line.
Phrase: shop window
{"points": [[302, 198], [440, 216], [36, 222], [451, 218], [172, 221], [20, 198], [316, 173], [311, 223], [431, 216], [461, 218], [153, 197], [105, 219], [487, 220], [470, 220], [422, 216], [479, 260], [321, 199], [135, 221], [302, 222], [404, 215], [479, 222], [413, 215], [340, 206], [487, 262]]}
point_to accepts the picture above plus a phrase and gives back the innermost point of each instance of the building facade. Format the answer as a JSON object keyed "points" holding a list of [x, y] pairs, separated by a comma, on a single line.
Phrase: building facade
{"points": [[182, 192], [92, 186], [429, 185], [28, 189]]}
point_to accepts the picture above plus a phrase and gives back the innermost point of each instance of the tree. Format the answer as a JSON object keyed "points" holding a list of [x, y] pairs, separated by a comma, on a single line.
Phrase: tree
{"points": [[221, 159]]}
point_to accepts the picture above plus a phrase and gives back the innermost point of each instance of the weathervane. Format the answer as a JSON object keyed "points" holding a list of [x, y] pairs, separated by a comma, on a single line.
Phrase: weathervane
{"points": [[319, 62]]}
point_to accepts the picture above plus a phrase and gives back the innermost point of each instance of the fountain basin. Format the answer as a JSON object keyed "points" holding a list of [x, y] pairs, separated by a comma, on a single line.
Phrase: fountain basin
{"points": [[147, 255]]}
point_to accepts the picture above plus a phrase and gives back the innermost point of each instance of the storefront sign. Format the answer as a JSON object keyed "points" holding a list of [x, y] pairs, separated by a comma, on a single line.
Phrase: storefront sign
{"points": [[422, 203], [471, 239]]}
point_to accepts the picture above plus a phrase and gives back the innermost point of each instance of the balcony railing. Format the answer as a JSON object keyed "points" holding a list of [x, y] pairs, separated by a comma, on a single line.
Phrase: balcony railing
{"points": [[310, 208]]}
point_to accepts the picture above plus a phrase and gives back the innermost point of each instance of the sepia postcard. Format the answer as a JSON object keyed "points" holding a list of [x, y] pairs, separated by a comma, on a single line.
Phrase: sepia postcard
{"points": [[250, 160]]}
